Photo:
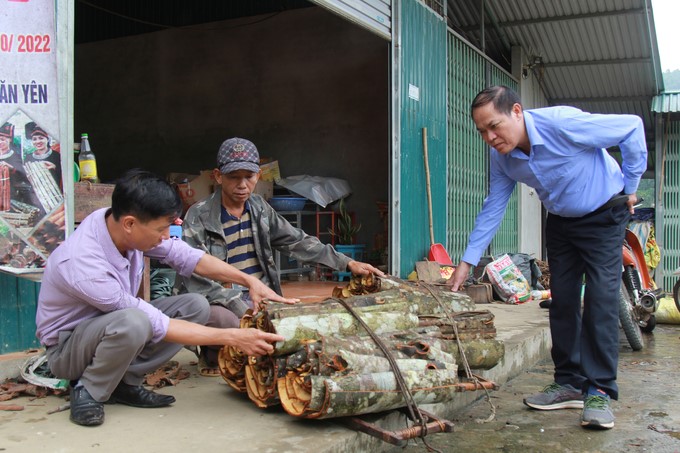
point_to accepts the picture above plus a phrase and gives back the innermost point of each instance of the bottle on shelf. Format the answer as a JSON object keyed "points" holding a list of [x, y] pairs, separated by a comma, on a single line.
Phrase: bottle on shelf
{"points": [[86, 161]]}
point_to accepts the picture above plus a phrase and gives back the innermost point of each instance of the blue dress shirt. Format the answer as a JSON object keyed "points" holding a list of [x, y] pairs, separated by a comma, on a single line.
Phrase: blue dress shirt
{"points": [[568, 165]]}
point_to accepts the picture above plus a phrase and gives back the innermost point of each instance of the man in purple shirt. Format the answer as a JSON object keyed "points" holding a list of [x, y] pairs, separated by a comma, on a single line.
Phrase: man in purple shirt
{"points": [[102, 337]]}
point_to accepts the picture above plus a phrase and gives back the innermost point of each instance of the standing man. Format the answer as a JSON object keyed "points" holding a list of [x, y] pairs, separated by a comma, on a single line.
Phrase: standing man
{"points": [[241, 228], [560, 152], [102, 337]]}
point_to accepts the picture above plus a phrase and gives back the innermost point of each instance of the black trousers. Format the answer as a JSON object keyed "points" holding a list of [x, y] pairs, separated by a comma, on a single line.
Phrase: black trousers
{"points": [[585, 340]]}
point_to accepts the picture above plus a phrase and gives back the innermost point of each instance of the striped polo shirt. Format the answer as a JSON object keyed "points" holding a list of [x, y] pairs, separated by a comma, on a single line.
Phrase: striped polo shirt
{"points": [[240, 245]]}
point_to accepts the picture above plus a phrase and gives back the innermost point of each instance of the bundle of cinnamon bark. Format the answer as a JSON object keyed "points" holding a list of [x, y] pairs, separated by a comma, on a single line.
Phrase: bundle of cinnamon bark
{"points": [[329, 366]]}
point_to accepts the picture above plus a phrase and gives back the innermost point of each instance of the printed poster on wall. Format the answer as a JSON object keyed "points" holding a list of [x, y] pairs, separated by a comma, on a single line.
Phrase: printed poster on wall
{"points": [[32, 221]]}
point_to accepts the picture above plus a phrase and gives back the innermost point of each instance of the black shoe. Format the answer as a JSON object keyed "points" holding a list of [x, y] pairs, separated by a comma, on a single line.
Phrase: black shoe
{"points": [[85, 410], [545, 303], [138, 396]]}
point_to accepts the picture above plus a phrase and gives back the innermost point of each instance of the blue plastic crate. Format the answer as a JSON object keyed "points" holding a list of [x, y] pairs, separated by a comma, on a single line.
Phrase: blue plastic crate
{"points": [[288, 203]]}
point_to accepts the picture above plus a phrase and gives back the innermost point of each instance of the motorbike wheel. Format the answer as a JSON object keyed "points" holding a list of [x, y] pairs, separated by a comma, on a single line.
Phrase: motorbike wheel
{"points": [[676, 294], [630, 326]]}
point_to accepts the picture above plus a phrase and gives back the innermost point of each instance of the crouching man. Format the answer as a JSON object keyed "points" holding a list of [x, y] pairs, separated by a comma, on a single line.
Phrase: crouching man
{"points": [[102, 337]]}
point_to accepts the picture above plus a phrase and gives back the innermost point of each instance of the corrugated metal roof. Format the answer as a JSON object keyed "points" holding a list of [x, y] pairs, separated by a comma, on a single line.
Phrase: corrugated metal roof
{"points": [[666, 103], [598, 55]]}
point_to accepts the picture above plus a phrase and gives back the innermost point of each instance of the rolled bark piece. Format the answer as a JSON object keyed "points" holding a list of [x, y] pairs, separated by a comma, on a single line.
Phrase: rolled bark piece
{"points": [[453, 302], [366, 364], [471, 325], [419, 299], [328, 366], [480, 354], [232, 364], [298, 329], [260, 379], [338, 396]]}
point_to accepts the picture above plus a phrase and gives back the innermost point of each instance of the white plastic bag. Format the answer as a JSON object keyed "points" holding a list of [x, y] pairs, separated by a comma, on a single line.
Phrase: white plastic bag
{"points": [[321, 190], [35, 371], [508, 281]]}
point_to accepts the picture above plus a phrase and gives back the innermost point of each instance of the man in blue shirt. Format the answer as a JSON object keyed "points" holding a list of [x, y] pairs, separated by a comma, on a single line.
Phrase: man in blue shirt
{"points": [[560, 152]]}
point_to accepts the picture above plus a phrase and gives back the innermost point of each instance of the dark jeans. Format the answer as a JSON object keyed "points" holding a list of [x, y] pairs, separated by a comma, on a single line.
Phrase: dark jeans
{"points": [[585, 341]]}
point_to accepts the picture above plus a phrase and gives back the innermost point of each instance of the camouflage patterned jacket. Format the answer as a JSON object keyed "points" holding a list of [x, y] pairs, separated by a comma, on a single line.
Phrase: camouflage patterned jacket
{"points": [[202, 229]]}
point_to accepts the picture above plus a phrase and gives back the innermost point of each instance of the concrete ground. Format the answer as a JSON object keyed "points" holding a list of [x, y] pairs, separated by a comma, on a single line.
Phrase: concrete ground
{"points": [[647, 413], [209, 415]]}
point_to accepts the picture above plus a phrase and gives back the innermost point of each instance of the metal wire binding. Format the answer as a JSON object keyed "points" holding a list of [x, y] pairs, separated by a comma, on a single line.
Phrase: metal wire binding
{"points": [[466, 364], [411, 404]]}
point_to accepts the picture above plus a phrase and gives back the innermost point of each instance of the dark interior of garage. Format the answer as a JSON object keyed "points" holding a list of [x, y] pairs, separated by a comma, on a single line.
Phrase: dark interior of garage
{"points": [[160, 84]]}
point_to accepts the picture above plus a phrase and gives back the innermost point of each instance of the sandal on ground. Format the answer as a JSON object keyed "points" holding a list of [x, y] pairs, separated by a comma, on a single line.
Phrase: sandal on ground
{"points": [[206, 370]]}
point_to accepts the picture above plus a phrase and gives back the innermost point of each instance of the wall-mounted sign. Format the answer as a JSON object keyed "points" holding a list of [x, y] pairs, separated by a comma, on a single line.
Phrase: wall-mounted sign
{"points": [[413, 92], [32, 220]]}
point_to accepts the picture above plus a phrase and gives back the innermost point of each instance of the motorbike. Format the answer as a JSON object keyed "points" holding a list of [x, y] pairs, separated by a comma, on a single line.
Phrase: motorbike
{"points": [[676, 289], [638, 296]]}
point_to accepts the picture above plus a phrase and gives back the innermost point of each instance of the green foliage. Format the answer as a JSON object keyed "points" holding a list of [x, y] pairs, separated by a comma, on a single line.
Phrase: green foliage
{"points": [[646, 191], [671, 80], [345, 229]]}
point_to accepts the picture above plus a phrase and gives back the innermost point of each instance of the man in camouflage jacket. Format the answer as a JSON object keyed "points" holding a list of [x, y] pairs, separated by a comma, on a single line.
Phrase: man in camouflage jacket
{"points": [[202, 229], [241, 228]]}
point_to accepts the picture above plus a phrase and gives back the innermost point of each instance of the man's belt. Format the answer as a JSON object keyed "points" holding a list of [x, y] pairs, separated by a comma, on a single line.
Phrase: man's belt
{"points": [[616, 200]]}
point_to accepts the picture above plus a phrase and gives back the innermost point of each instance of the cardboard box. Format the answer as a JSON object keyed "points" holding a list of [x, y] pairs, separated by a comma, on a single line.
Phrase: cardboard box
{"points": [[89, 197], [270, 171], [265, 189], [192, 188]]}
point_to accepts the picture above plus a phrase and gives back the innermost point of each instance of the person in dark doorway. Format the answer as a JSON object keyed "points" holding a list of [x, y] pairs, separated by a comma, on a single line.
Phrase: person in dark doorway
{"points": [[241, 228], [560, 152], [102, 337]]}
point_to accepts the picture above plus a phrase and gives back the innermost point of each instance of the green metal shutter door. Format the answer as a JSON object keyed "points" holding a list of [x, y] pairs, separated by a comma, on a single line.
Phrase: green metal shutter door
{"points": [[17, 313], [423, 50], [468, 155], [671, 204]]}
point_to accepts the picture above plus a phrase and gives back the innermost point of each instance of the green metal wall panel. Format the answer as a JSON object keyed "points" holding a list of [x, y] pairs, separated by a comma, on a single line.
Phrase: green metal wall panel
{"points": [[17, 313], [423, 65], [671, 206], [468, 177]]}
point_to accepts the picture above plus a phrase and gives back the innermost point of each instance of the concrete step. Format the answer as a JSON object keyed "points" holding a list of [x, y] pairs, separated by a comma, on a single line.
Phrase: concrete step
{"points": [[210, 415]]}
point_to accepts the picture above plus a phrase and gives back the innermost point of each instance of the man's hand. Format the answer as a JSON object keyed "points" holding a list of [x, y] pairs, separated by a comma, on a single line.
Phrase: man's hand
{"points": [[359, 268], [213, 268], [632, 201], [261, 293], [254, 341], [459, 277], [250, 341]]}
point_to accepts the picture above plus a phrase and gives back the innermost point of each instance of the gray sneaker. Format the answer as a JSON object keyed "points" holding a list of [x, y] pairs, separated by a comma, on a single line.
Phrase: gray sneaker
{"points": [[597, 413], [555, 396]]}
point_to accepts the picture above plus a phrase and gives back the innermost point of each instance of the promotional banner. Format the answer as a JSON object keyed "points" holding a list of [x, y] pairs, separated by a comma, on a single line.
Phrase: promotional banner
{"points": [[32, 220]]}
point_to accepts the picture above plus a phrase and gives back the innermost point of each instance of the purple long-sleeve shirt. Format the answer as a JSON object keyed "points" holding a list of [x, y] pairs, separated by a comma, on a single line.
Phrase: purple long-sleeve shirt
{"points": [[86, 276]]}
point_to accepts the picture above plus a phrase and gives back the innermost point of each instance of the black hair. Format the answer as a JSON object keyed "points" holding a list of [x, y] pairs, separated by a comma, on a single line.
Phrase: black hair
{"points": [[144, 195], [502, 97]]}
